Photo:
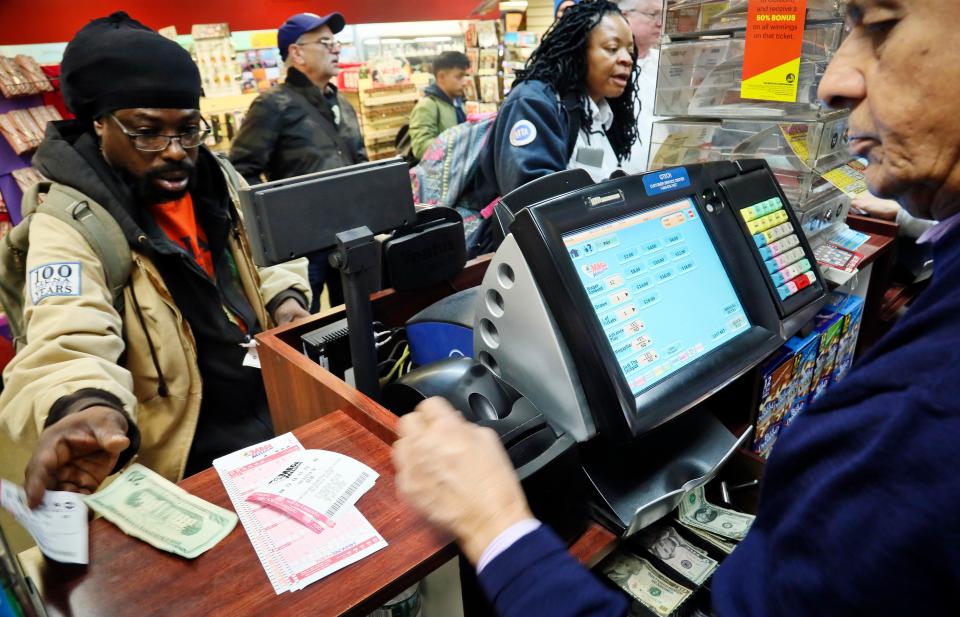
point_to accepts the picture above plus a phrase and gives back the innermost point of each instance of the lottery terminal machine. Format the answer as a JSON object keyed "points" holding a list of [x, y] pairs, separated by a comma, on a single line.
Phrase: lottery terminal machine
{"points": [[616, 308]]}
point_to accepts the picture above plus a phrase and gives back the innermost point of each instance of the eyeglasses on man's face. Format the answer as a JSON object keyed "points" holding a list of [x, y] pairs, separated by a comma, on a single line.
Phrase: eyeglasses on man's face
{"points": [[651, 15], [330, 44], [155, 142]]}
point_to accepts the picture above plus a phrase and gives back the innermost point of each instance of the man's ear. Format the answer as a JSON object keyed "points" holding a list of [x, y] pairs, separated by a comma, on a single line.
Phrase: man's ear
{"points": [[99, 126]]}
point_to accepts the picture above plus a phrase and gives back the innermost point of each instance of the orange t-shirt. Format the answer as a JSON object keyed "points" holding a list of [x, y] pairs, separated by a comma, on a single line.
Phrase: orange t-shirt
{"points": [[178, 221]]}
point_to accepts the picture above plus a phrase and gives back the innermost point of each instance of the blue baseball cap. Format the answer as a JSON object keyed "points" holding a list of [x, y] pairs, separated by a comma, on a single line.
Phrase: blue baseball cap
{"points": [[557, 3], [295, 26]]}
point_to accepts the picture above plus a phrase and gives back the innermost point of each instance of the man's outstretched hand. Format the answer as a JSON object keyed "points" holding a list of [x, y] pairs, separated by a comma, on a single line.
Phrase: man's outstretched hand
{"points": [[458, 476], [76, 453]]}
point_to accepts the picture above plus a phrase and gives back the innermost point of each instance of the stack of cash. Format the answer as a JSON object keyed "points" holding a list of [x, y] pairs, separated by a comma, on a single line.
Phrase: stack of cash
{"points": [[719, 527], [655, 591], [647, 585], [684, 557]]}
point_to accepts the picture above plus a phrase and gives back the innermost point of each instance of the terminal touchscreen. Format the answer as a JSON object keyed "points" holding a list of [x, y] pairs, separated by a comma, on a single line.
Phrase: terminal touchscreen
{"points": [[658, 288], [662, 288]]}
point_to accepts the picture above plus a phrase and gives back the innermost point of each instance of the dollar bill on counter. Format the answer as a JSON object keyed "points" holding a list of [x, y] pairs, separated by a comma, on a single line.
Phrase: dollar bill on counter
{"points": [[147, 506], [315, 486], [696, 511], [647, 585], [721, 544], [58, 525], [671, 548]]}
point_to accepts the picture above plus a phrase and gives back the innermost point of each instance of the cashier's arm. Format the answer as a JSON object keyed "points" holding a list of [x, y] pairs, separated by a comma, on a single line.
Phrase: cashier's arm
{"points": [[458, 476]]}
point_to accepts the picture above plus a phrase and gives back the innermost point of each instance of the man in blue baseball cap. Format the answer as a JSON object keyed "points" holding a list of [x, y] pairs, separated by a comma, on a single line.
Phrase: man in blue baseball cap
{"points": [[303, 125]]}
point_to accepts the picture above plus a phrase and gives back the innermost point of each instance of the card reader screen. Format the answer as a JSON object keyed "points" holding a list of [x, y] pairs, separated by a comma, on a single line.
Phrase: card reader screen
{"points": [[659, 289]]}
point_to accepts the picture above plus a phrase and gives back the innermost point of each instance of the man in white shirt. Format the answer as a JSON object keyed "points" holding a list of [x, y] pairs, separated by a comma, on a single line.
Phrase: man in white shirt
{"points": [[646, 21]]}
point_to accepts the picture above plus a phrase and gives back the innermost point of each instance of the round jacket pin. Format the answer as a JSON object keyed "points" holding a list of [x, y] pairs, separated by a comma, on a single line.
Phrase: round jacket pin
{"points": [[522, 133]]}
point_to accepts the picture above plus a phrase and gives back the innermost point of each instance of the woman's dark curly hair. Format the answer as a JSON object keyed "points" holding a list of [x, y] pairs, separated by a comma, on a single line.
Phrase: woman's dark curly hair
{"points": [[561, 61]]}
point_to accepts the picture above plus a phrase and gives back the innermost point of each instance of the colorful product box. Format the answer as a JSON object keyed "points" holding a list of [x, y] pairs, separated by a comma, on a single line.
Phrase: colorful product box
{"points": [[830, 327], [775, 398], [805, 360], [851, 308]]}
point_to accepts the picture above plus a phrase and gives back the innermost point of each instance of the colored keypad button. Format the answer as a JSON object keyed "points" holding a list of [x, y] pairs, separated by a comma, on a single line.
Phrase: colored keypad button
{"points": [[749, 214], [768, 222], [780, 231], [761, 209], [791, 256], [784, 245]]}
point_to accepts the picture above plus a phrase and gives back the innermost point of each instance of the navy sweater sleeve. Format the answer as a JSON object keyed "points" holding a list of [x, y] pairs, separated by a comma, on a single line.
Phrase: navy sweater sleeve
{"points": [[858, 514], [532, 104], [537, 576]]}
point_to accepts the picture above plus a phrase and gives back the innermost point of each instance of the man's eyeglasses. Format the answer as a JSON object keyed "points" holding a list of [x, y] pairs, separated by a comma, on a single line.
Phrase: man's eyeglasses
{"points": [[151, 142], [330, 44], [651, 15]]}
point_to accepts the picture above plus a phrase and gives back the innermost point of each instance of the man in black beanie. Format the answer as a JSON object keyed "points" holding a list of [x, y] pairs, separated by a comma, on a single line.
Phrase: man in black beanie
{"points": [[153, 367]]}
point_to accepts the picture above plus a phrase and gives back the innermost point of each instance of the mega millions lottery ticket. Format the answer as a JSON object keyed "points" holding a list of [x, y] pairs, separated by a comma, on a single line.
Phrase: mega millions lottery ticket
{"points": [[293, 555]]}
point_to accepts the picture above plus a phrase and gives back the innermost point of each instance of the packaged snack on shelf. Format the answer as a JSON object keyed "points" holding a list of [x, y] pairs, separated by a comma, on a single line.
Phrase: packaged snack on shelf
{"points": [[470, 89], [25, 120], [473, 55], [30, 68], [44, 114], [490, 89], [15, 135], [489, 62], [487, 33], [27, 177], [12, 82]]}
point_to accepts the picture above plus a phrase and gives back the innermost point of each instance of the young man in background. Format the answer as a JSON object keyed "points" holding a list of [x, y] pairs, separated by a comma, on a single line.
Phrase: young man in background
{"points": [[442, 105]]}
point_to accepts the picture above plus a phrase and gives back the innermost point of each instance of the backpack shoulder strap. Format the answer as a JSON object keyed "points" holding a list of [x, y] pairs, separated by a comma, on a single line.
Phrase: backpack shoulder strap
{"points": [[571, 104], [96, 225], [234, 181]]}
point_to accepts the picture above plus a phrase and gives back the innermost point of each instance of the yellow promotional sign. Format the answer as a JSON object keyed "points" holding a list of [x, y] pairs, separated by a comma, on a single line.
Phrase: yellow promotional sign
{"points": [[771, 58]]}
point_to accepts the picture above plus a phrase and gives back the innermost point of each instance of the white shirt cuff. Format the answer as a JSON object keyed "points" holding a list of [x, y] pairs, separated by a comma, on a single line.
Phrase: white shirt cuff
{"points": [[507, 538]]}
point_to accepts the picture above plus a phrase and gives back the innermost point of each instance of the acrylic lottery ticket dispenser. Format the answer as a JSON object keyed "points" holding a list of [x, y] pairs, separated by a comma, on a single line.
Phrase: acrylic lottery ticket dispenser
{"points": [[618, 308]]}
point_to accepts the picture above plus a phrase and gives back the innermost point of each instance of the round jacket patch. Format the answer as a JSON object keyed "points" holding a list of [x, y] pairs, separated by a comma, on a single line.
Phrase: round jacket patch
{"points": [[522, 133]]}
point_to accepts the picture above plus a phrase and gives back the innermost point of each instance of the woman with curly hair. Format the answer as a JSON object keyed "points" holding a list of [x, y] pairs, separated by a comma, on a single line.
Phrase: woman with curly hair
{"points": [[582, 75]]}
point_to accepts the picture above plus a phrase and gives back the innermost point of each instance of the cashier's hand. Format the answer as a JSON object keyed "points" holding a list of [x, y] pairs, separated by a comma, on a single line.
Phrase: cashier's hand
{"points": [[289, 310], [885, 209], [458, 476], [76, 453]]}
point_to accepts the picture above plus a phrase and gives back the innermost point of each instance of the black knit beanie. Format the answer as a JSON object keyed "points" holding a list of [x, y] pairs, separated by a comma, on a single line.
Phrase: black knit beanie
{"points": [[116, 62]]}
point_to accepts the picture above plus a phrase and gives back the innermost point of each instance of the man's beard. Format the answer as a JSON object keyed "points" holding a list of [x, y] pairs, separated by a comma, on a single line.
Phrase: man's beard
{"points": [[145, 192]]}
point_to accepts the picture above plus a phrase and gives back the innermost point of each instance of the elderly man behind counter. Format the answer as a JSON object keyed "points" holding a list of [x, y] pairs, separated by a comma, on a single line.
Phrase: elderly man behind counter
{"points": [[858, 510], [646, 21], [303, 125], [158, 372]]}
